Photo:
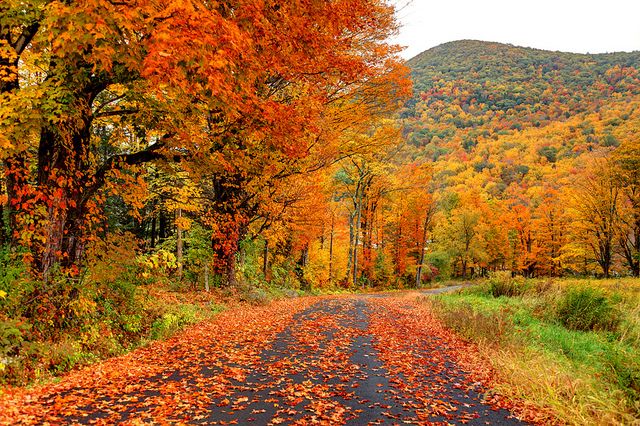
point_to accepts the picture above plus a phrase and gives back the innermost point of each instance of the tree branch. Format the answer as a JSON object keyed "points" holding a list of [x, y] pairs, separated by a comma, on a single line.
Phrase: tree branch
{"points": [[25, 37], [116, 113]]}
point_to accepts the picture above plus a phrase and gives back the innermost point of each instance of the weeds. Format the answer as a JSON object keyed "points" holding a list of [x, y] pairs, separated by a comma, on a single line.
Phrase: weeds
{"points": [[586, 309], [572, 347], [503, 284]]}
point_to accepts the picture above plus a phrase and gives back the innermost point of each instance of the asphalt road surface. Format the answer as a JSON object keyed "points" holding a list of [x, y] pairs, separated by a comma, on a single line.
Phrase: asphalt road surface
{"points": [[342, 360]]}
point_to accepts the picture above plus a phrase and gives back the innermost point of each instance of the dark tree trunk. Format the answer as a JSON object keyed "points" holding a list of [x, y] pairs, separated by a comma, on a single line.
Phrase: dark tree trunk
{"points": [[162, 231], [423, 245], [16, 179], [152, 242], [230, 211], [62, 199], [3, 229], [64, 180], [265, 260], [230, 271], [365, 227], [301, 264], [464, 268], [15, 167]]}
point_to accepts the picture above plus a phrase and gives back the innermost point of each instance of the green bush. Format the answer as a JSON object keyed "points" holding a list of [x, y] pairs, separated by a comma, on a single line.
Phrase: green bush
{"points": [[625, 369], [18, 356], [256, 296], [170, 322], [66, 355], [441, 261], [503, 284], [587, 309], [12, 337]]}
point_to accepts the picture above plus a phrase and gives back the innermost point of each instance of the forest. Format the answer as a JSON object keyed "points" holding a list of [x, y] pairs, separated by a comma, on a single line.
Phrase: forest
{"points": [[534, 158], [152, 152]]}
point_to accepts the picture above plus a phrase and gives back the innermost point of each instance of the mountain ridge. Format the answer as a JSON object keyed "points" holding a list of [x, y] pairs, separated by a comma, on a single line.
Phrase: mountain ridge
{"points": [[525, 85], [456, 43], [475, 101]]}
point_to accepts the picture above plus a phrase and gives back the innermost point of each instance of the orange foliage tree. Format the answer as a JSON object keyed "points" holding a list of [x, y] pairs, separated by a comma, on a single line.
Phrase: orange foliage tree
{"points": [[233, 88]]}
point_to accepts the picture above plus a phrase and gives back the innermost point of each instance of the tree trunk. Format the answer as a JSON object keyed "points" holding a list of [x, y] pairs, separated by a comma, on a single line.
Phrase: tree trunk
{"points": [[398, 269], [154, 223], [352, 226], [206, 277], [16, 181], [4, 238], [229, 215], [16, 170], [64, 181], [162, 228], [331, 249], [422, 247], [179, 244], [265, 260], [365, 231], [464, 268], [301, 264], [356, 241], [230, 271]]}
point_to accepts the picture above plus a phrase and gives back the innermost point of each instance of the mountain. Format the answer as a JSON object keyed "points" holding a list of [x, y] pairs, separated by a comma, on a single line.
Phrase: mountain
{"points": [[516, 86], [504, 112], [533, 156], [480, 61]]}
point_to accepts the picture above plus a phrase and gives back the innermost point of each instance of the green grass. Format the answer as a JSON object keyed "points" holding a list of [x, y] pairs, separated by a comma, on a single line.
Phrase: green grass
{"points": [[589, 373]]}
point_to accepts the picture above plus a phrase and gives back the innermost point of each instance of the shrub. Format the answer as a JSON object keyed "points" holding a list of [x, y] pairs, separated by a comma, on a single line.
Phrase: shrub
{"points": [[441, 261], [256, 296], [542, 287], [503, 284], [626, 371], [587, 309], [472, 322], [18, 356], [66, 355], [171, 322], [12, 337]]}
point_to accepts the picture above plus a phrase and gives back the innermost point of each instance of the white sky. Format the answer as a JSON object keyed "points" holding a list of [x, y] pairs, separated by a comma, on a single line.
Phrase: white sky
{"points": [[582, 26]]}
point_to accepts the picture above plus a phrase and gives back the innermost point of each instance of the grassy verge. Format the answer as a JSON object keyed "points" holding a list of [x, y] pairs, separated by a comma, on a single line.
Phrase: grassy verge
{"points": [[569, 345]]}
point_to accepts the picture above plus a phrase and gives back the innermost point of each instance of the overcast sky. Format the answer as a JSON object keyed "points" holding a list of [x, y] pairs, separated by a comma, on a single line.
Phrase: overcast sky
{"points": [[593, 26]]}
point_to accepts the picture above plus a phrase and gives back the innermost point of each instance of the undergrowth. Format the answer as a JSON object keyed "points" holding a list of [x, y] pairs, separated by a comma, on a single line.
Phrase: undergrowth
{"points": [[116, 305], [48, 328], [569, 345]]}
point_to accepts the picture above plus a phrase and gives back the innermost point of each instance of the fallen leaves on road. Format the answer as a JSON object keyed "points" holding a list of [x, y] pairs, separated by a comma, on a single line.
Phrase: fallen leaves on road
{"points": [[302, 361]]}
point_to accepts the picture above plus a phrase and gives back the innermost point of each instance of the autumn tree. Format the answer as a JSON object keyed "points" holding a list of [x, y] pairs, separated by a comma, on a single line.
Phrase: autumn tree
{"points": [[118, 84], [626, 161], [362, 181], [595, 210], [551, 226], [525, 245], [460, 230], [414, 193]]}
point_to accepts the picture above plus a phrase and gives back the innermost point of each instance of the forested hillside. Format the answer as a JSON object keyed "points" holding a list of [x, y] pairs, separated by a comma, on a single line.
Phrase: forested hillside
{"points": [[535, 157]]}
